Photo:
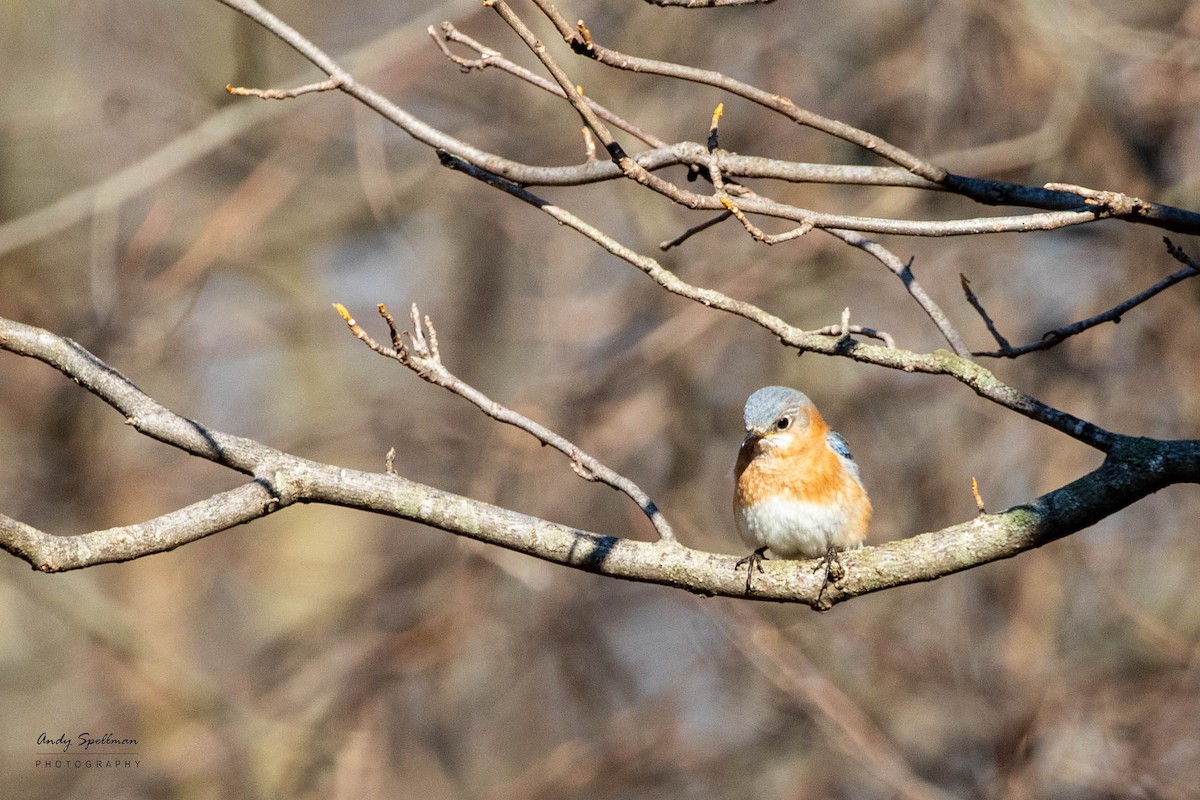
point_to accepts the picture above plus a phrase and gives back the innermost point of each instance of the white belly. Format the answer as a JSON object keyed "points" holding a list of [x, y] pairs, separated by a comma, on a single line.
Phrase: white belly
{"points": [[793, 529]]}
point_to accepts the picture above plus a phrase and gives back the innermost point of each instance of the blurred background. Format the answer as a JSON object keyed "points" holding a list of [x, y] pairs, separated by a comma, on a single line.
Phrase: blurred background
{"points": [[195, 241]]}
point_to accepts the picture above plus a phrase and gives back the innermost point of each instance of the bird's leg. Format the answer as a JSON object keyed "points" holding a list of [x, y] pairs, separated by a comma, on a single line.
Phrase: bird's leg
{"points": [[752, 562], [834, 571]]}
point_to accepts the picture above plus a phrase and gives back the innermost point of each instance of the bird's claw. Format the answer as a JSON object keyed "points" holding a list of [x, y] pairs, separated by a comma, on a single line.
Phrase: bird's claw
{"points": [[834, 571], [752, 562]]}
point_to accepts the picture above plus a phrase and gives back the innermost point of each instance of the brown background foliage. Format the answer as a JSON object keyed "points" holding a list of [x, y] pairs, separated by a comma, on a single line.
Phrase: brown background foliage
{"points": [[327, 653]]}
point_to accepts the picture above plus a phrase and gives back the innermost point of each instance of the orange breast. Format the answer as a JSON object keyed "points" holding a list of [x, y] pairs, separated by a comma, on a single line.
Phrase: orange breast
{"points": [[806, 470]]}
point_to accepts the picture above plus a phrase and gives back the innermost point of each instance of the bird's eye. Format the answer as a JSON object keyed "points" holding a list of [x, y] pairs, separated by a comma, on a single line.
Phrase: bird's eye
{"points": [[783, 423]]}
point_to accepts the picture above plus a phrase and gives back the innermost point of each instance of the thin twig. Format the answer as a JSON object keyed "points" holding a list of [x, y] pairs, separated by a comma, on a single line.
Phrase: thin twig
{"points": [[757, 233], [493, 58], [720, 192], [692, 231], [628, 166], [840, 332], [903, 271], [420, 354], [978, 497], [987, 319], [707, 3], [560, 77], [284, 94], [845, 329], [1179, 255]]}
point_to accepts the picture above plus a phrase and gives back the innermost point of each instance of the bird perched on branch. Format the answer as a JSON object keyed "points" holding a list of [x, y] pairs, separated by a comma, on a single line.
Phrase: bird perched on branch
{"points": [[798, 490]]}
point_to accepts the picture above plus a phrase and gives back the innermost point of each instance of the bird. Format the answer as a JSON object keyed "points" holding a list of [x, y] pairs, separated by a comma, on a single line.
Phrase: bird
{"points": [[797, 490]]}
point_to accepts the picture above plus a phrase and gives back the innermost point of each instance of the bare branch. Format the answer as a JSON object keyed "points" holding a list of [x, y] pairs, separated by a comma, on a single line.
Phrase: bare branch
{"points": [[903, 271], [774, 102], [1114, 314], [421, 356], [638, 167], [213, 515], [580, 39], [790, 671], [692, 231], [1134, 468], [493, 58], [707, 3], [978, 306], [284, 94], [980, 380], [981, 190], [628, 166]]}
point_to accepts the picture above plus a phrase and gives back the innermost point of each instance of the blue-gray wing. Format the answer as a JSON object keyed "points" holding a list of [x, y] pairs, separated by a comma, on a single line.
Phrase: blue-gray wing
{"points": [[838, 444]]}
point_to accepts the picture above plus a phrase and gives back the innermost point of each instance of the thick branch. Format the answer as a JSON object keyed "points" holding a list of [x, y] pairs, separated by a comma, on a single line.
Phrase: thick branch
{"points": [[1133, 469]]}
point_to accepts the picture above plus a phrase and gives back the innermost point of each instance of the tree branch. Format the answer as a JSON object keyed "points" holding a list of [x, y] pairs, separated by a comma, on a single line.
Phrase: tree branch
{"points": [[1061, 334], [1133, 469], [580, 40], [982, 190], [492, 58], [707, 3], [639, 167], [980, 380], [421, 355]]}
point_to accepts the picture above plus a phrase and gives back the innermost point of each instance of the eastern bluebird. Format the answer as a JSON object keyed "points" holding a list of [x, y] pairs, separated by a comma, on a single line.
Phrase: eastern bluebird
{"points": [[798, 491]]}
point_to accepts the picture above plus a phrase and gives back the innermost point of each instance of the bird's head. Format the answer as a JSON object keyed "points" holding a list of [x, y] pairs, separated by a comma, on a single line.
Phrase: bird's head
{"points": [[775, 415]]}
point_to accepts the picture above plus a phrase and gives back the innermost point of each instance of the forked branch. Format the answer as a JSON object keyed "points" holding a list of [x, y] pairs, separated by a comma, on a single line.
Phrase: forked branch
{"points": [[1059, 335], [420, 354]]}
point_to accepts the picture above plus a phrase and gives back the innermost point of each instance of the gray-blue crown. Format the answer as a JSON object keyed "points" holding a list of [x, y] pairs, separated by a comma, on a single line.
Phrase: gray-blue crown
{"points": [[770, 403]]}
